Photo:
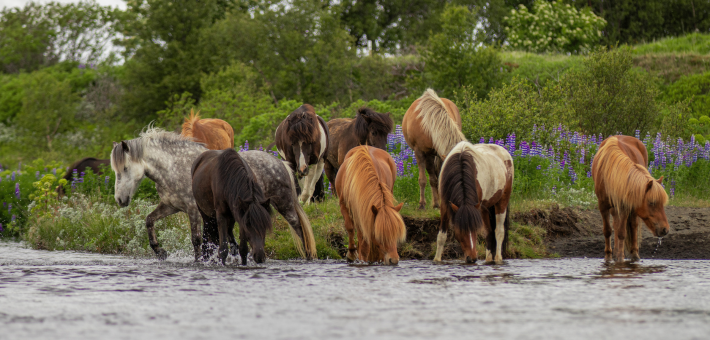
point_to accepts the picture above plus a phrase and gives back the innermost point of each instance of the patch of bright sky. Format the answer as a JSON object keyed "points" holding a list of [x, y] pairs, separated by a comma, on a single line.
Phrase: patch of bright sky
{"points": [[21, 3]]}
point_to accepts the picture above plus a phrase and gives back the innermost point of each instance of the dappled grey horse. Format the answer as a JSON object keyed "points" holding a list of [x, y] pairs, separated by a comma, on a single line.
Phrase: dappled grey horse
{"points": [[166, 158]]}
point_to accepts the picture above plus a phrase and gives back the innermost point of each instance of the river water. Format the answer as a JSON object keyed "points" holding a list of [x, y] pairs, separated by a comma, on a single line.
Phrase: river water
{"points": [[71, 295]]}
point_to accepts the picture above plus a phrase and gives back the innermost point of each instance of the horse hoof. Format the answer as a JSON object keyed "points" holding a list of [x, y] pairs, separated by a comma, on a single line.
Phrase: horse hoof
{"points": [[635, 258], [161, 254], [421, 207]]}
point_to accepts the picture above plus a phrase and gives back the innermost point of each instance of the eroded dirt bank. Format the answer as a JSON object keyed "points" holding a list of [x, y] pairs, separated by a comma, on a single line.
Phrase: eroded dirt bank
{"points": [[571, 233]]}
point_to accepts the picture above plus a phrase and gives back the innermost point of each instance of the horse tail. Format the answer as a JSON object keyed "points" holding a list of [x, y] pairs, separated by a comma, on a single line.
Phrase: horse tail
{"points": [[308, 237], [436, 122], [246, 200], [189, 123], [458, 188]]}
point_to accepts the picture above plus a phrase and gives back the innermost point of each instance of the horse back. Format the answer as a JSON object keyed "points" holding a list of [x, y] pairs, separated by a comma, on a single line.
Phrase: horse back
{"points": [[634, 149], [413, 132], [494, 170], [88, 162], [216, 134]]}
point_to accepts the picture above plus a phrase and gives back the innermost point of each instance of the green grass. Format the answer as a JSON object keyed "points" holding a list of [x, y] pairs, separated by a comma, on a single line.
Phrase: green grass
{"points": [[691, 43]]}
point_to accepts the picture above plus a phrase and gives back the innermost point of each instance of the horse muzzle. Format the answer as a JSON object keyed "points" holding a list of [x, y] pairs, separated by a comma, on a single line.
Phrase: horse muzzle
{"points": [[391, 261], [122, 203], [660, 231], [303, 171]]}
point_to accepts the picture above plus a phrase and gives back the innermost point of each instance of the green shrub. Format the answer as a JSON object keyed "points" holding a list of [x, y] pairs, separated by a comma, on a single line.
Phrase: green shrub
{"points": [[693, 88], [554, 27], [608, 96], [538, 69]]}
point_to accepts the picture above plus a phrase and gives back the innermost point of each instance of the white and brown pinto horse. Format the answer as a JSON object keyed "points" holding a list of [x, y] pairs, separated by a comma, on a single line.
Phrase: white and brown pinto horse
{"points": [[431, 127], [626, 190], [476, 183], [302, 141]]}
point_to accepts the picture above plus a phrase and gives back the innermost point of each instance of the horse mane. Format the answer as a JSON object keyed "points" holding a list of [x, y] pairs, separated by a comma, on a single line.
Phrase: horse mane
{"points": [[625, 181], [364, 187], [444, 132], [149, 136], [244, 195], [457, 185], [303, 125], [189, 123], [368, 120]]}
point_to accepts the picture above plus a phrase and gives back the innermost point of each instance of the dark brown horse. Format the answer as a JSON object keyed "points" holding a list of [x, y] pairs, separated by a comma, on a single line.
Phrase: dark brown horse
{"points": [[626, 190], [476, 183], [368, 128], [89, 162], [226, 191], [302, 141], [431, 127]]}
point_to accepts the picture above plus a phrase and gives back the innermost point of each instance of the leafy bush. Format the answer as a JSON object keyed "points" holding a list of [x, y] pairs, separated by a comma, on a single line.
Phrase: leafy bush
{"points": [[608, 96], [538, 69], [694, 88], [554, 27]]}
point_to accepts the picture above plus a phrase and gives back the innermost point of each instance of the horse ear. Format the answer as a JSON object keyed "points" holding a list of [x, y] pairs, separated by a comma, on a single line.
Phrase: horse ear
{"points": [[266, 203], [399, 207], [125, 145], [454, 207], [660, 180], [649, 186], [114, 144], [374, 210]]}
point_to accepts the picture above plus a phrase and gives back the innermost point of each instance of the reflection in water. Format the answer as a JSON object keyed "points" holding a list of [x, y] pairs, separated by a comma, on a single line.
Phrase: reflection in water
{"points": [[628, 270], [76, 295]]}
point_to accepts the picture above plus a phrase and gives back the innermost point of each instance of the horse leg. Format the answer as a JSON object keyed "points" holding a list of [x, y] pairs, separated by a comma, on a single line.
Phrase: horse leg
{"points": [[633, 237], [431, 169], [490, 236], [421, 163], [223, 225], [500, 233], [331, 172], [605, 211], [441, 238], [620, 220], [363, 247], [161, 211], [243, 246], [210, 235], [350, 228]]}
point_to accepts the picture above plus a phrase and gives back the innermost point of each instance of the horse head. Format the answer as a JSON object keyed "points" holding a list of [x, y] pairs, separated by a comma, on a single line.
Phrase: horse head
{"points": [[652, 210], [389, 230], [377, 127], [129, 168], [303, 133]]}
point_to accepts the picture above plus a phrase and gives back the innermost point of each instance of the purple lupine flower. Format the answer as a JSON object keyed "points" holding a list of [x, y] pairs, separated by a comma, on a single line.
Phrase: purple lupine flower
{"points": [[554, 190], [17, 190], [74, 173], [13, 176], [589, 173], [524, 148], [261, 148], [13, 218], [54, 171], [9, 208], [572, 174], [82, 175], [37, 175], [0, 227], [491, 141], [539, 167], [482, 140], [637, 134], [106, 180]]}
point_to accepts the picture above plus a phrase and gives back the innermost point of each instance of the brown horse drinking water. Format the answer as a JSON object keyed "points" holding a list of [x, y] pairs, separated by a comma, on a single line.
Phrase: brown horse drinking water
{"points": [[226, 190], [625, 188], [364, 186], [368, 128], [476, 183], [431, 127], [216, 134]]}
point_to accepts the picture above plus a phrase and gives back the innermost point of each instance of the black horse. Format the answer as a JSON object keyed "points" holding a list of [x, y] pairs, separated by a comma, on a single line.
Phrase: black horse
{"points": [[89, 162], [226, 191]]}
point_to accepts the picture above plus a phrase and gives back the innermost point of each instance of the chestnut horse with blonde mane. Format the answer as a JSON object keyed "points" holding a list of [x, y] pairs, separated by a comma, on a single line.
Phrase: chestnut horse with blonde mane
{"points": [[626, 189], [431, 127], [364, 185], [216, 134], [476, 183]]}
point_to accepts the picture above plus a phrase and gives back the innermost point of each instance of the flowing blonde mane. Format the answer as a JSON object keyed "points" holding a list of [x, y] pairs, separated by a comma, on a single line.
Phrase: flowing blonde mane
{"points": [[363, 189], [625, 181], [437, 123], [190, 122]]}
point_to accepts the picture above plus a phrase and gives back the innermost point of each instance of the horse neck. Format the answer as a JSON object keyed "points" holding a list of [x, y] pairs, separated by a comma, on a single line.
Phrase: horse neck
{"points": [[158, 162]]}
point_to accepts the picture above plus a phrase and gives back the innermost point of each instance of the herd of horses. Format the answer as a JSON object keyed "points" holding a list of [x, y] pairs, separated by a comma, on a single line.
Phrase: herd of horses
{"points": [[199, 172]]}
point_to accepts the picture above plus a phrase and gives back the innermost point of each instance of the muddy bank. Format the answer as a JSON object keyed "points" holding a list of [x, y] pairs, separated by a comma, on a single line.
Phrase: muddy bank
{"points": [[569, 233], [578, 233]]}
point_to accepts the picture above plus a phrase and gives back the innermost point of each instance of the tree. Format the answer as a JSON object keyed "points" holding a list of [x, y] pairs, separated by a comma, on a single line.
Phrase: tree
{"points": [[164, 54], [25, 38], [390, 25], [456, 55]]}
